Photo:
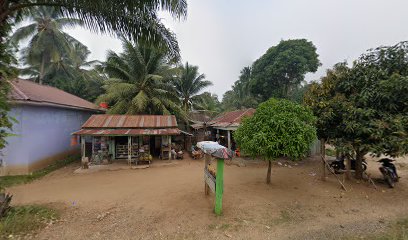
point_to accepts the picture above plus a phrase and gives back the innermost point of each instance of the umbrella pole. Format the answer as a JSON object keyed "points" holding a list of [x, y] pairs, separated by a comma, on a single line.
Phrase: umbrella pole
{"points": [[219, 189]]}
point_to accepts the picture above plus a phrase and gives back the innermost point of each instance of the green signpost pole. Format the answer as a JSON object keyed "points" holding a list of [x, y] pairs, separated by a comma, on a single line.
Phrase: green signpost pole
{"points": [[219, 189]]}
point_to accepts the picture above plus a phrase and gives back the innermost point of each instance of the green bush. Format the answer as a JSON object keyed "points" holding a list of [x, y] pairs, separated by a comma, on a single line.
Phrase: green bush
{"points": [[279, 128]]}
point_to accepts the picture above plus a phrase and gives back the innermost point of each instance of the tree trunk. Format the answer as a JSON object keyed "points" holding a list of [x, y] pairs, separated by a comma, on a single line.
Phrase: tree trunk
{"points": [[42, 69], [348, 168], [268, 175], [323, 155], [359, 164]]}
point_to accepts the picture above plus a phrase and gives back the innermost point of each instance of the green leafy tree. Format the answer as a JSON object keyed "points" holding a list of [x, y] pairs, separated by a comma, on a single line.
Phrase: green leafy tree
{"points": [[279, 128], [136, 20], [282, 68], [139, 81], [188, 84], [70, 72], [209, 103], [47, 41], [240, 97], [6, 122], [363, 108]]}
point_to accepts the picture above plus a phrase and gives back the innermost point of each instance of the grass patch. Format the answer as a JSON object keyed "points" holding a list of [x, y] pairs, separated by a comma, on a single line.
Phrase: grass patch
{"points": [[397, 230], [8, 181], [22, 220]]}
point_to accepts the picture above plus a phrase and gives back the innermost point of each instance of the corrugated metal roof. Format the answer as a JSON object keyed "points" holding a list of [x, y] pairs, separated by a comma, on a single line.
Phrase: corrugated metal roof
{"points": [[197, 125], [28, 91], [231, 119], [127, 132], [130, 121]]}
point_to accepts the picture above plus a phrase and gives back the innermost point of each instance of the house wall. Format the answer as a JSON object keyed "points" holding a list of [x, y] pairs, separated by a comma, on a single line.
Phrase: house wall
{"points": [[42, 135]]}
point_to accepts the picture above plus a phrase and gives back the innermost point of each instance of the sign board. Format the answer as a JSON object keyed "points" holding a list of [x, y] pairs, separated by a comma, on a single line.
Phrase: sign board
{"points": [[209, 180]]}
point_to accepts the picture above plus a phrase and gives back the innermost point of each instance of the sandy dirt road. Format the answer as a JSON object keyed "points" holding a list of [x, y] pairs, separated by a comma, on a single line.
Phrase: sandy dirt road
{"points": [[169, 203]]}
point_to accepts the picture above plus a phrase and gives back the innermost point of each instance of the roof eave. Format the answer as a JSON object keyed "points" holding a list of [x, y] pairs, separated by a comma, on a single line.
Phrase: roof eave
{"points": [[49, 104]]}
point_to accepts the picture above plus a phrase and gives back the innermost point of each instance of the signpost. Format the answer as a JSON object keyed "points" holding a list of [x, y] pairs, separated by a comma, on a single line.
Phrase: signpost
{"points": [[219, 187], [215, 183]]}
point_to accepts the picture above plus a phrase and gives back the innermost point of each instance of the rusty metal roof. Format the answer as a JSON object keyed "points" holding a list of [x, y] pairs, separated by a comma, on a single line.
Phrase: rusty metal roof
{"points": [[231, 119], [25, 91], [127, 132], [130, 121]]}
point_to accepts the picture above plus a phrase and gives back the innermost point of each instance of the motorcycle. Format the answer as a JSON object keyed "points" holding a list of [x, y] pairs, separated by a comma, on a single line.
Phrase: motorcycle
{"points": [[389, 171], [338, 165]]}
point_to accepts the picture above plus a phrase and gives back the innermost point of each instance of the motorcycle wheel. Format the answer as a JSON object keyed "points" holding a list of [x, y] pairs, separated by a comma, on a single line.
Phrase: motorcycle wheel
{"points": [[335, 167], [389, 181]]}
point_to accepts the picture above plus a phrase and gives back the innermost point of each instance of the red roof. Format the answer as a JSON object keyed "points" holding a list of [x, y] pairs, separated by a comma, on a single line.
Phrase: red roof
{"points": [[26, 91], [231, 119], [127, 132], [130, 121]]}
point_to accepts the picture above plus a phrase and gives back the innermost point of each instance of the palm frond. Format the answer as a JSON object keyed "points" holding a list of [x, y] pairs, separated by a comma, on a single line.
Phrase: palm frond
{"points": [[23, 33]]}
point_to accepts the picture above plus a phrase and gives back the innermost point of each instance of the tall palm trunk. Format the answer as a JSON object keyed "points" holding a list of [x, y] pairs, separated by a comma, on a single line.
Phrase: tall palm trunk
{"points": [[185, 103], [42, 69]]}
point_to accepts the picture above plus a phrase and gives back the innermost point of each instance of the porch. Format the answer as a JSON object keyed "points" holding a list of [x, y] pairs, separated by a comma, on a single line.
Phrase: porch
{"points": [[131, 149], [108, 138]]}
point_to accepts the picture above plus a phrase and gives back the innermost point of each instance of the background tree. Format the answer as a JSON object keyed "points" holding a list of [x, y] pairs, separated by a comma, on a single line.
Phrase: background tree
{"points": [[71, 73], [136, 20], [209, 103], [298, 92], [279, 128], [47, 41], [363, 108], [139, 81], [240, 97], [282, 68], [188, 84]]}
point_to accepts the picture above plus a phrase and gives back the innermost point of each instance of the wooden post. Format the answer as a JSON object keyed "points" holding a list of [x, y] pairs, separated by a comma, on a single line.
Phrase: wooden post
{"points": [[206, 162], [219, 186], [169, 147], [93, 148], [323, 155], [82, 147], [129, 150], [229, 139]]}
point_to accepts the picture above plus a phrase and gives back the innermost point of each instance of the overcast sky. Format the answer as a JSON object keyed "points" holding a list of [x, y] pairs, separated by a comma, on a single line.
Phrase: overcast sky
{"points": [[223, 36]]}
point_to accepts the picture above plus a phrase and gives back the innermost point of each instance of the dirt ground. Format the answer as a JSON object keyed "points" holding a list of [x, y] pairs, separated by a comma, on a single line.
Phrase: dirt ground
{"points": [[168, 202]]}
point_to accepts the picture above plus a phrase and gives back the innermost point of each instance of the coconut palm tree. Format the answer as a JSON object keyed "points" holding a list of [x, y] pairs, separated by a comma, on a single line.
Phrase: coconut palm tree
{"points": [[208, 103], [139, 81], [188, 84], [47, 41], [240, 97], [136, 20]]}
